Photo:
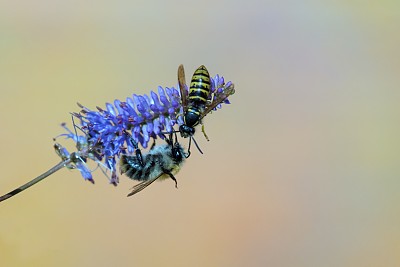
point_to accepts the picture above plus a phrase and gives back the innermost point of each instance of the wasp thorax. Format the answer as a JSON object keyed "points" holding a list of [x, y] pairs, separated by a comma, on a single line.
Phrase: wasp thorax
{"points": [[192, 118]]}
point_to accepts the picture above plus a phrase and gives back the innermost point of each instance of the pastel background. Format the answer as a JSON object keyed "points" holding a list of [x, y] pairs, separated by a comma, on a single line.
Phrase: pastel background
{"points": [[301, 170]]}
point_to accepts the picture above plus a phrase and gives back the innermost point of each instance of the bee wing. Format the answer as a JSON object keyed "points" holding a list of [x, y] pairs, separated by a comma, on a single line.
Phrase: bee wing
{"points": [[140, 186], [182, 86], [221, 98]]}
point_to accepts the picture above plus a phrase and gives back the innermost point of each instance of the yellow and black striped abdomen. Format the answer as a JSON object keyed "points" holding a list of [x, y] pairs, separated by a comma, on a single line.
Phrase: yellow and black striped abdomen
{"points": [[199, 86]]}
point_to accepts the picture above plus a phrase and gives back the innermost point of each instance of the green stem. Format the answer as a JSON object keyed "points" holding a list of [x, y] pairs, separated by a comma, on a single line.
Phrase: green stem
{"points": [[36, 180]]}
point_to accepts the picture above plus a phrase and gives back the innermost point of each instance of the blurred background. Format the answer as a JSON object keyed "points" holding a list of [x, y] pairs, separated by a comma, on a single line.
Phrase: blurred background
{"points": [[301, 170]]}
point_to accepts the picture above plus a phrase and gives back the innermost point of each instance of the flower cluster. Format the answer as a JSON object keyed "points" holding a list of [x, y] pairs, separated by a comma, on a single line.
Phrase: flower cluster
{"points": [[105, 134]]}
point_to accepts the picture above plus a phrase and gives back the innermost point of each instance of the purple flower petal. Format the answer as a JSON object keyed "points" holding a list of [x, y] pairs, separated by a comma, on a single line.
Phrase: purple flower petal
{"points": [[110, 108]]}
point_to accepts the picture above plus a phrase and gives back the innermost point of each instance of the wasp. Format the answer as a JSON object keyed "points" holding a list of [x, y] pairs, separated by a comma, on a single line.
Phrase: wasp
{"points": [[161, 162], [198, 103]]}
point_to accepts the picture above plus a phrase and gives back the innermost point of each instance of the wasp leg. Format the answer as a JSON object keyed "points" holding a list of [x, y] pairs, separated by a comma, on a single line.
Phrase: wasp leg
{"points": [[205, 135]]}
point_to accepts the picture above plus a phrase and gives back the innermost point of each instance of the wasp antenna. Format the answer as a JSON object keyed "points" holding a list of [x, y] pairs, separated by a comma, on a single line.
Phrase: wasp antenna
{"points": [[194, 140], [176, 138]]}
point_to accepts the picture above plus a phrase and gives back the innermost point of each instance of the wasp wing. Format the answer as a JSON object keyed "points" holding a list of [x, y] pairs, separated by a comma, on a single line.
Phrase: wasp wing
{"points": [[182, 86], [230, 90], [140, 186]]}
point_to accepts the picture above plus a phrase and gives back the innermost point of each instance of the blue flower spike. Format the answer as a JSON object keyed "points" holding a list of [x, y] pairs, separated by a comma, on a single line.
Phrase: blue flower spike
{"points": [[104, 134]]}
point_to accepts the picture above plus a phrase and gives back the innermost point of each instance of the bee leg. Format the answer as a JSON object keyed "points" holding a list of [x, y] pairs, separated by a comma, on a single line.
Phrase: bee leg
{"points": [[172, 176], [205, 135], [153, 145], [138, 152], [139, 156]]}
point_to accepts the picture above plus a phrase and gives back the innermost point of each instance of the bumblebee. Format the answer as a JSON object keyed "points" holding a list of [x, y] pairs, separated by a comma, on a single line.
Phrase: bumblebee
{"points": [[161, 162], [198, 102]]}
